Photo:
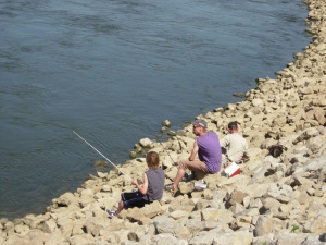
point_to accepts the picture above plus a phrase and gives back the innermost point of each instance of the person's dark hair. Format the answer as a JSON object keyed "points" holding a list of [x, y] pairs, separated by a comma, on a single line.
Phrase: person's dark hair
{"points": [[233, 125], [153, 159]]}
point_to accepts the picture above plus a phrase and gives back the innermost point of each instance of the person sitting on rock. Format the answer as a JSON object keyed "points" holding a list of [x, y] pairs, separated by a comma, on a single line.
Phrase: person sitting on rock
{"points": [[208, 148], [151, 188], [234, 146]]}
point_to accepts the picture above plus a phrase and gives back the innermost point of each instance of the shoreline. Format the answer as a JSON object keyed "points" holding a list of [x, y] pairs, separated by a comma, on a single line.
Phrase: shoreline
{"points": [[273, 200]]}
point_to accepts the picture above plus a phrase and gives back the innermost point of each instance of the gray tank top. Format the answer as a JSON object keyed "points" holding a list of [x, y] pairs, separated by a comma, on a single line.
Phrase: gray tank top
{"points": [[155, 184]]}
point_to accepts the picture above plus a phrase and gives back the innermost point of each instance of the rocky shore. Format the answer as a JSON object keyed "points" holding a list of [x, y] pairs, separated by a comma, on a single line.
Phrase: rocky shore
{"points": [[273, 201]]}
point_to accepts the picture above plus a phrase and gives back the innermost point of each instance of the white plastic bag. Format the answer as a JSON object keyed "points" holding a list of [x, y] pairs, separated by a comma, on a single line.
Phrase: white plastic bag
{"points": [[232, 169]]}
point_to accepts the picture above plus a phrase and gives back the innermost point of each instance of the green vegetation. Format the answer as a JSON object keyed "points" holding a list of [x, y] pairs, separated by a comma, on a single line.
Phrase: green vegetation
{"points": [[294, 228]]}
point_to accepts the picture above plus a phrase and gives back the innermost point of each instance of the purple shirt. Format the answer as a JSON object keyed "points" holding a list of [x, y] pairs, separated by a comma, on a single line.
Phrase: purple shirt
{"points": [[210, 151]]}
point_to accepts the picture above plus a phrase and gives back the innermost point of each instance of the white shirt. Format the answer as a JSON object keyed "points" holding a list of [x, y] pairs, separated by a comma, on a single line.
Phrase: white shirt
{"points": [[235, 146]]}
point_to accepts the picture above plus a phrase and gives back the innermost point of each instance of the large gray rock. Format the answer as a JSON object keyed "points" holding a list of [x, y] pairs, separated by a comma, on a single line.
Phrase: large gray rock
{"points": [[263, 226], [162, 239], [316, 225], [165, 225], [290, 238]]}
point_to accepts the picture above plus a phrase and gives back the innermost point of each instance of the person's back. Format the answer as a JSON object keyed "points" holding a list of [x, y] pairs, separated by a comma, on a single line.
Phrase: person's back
{"points": [[235, 145], [155, 184], [210, 151], [151, 188]]}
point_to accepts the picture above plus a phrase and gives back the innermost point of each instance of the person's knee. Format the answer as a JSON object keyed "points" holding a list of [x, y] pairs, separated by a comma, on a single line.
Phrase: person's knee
{"points": [[182, 165]]}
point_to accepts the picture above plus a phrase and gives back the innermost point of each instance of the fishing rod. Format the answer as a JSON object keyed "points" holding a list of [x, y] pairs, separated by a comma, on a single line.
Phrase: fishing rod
{"points": [[99, 152]]}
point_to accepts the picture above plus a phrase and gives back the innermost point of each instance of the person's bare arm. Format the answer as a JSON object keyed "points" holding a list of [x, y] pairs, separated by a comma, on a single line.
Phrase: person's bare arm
{"points": [[194, 151], [143, 188]]}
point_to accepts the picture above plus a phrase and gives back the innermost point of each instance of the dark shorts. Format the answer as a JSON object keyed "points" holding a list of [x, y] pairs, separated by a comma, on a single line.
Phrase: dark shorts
{"points": [[134, 199]]}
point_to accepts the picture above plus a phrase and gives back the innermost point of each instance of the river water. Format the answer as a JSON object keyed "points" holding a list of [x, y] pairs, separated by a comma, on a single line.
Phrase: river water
{"points": [[113, 70]]}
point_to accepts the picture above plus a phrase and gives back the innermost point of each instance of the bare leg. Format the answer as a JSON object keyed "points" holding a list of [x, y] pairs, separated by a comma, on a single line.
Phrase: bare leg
{"points": [[193, 166], [120, 207], [178, 177]]}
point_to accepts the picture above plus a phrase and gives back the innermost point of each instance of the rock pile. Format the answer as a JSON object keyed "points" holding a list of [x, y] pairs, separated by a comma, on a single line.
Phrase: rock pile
{"points": [[273, 201]]}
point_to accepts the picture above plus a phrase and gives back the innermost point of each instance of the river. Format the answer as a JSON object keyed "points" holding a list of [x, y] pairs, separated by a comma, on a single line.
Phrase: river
{"points": [[113, 71]]}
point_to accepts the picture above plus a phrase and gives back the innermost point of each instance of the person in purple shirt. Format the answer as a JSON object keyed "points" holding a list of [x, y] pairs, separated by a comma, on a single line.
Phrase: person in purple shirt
{"points": [[208, 148]]}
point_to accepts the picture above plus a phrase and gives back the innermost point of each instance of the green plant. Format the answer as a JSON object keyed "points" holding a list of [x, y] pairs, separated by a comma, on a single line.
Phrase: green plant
{"points": [[294, 228]]}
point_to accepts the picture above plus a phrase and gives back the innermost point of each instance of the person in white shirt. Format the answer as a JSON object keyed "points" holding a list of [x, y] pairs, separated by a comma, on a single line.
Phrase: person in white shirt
{"points": [[234, 146]]}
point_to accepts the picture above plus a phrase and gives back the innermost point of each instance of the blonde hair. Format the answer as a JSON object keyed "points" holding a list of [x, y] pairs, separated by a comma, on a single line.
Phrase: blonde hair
{"points": [[153, 159]]}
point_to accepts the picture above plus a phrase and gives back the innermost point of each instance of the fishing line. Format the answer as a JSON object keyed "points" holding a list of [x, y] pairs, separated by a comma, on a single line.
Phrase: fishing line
{"points": [[99, 152], [167, 152]]}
